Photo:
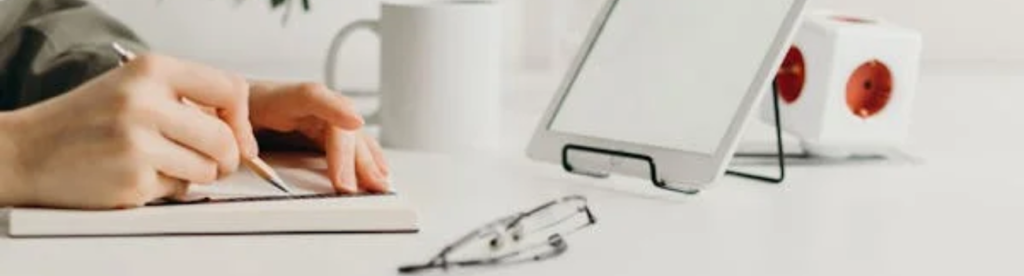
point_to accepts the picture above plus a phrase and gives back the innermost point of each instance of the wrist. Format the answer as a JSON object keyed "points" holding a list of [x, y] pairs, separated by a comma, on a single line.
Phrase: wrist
{"points": [[12, 190]]}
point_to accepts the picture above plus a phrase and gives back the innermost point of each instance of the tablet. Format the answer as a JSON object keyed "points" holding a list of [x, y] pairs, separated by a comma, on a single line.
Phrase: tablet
{"points": [[670, 83]]}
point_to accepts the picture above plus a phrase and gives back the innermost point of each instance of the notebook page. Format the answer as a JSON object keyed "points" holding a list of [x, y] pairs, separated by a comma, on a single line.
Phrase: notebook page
{"points": [[303, 175]]}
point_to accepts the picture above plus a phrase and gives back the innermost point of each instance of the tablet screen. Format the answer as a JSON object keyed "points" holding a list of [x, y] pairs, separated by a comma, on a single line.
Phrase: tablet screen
{"points": [[671, 74]]}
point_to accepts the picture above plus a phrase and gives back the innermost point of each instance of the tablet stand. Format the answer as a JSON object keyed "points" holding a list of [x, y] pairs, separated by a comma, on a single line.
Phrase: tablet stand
{"points": [[654, 168], [780, 151], [650, 162]]}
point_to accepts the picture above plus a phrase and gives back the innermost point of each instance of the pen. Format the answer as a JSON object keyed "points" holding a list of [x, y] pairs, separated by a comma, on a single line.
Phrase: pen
{"points": [[255, 164]]}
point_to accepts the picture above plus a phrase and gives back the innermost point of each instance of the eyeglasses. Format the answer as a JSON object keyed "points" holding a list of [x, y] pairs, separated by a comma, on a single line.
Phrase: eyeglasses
{"points": [[534, 235]]}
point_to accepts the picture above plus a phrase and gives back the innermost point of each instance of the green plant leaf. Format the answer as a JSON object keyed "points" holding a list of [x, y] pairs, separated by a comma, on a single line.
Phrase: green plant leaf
{"points": [[274, 4]]}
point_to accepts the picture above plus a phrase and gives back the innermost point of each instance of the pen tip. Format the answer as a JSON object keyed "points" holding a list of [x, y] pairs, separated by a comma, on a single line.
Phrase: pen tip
{"points": [[280, 185]]}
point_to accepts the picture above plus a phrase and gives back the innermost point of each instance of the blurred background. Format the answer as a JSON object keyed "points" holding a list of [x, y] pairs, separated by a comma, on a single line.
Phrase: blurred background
{"points": [[247, 36]]}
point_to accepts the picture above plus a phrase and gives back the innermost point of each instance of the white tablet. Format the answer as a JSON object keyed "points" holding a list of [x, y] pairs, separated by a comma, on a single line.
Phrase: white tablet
{"points": [[666, 82]]}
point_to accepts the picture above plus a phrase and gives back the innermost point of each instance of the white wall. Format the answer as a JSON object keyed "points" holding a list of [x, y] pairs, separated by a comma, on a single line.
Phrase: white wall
{"points": [[248, 36]]}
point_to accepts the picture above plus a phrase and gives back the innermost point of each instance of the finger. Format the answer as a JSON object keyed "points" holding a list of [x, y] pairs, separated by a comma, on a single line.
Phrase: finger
{"points": [[172, 188], [206, 86], [200, 132], [330, 106], [341, 155], [377, 152], [369, 175], [171, 159]]}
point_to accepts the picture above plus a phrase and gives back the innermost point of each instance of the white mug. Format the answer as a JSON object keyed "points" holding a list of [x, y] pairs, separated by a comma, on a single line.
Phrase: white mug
{"points": [[440, 73]]}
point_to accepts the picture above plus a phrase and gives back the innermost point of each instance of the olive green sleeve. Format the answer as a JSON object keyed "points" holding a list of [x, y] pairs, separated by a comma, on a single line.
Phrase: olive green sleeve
{"points": [[48, 47]]}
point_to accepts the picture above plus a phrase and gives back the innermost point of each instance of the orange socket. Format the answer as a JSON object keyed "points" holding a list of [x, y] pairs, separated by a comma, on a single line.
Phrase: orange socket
{"points": [[869, 89], [789, 82], [851, 19]]}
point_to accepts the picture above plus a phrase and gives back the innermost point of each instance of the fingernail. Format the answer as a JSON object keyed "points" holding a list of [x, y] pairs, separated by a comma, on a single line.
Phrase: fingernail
{"points": [[349, 186], [353, 187], [251, 151], [347, 190], [255, 146], [389, 188], [383, 183], [341, 186]]}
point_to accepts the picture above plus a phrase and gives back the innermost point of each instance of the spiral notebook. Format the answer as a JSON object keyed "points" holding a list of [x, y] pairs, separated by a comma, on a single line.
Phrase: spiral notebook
{"points": [[239, 204]]}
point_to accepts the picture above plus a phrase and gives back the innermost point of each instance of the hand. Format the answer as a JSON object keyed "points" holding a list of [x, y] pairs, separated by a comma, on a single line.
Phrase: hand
{"points": [[354, 160], [126, 138]]}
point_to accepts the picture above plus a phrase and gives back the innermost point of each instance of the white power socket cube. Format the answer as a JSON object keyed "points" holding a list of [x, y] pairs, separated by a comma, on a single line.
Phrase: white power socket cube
{"points": [[847, 84]]}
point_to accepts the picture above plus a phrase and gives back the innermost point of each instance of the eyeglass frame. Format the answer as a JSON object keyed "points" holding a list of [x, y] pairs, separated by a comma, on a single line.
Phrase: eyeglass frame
{"points": [[508, 224]]}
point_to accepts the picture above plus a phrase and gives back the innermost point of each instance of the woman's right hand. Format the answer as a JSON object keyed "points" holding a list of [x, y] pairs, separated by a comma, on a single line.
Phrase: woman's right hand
{"points": [[126, 138]]}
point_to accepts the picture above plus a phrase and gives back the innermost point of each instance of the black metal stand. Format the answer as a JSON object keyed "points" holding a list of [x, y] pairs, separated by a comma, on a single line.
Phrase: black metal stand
{"points": [[654, 169], [781, 153], [650, 162]]}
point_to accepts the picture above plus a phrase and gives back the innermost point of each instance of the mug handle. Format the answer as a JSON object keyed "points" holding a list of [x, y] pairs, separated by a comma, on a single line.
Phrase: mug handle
{"points": [[330, 67]]}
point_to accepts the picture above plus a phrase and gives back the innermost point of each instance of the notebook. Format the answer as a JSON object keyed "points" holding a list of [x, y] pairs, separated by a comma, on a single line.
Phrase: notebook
{"points": [[239, 204]]}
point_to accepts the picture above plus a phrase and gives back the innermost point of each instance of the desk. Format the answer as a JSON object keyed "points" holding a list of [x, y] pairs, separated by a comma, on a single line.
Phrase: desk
{"points": [[958, 213]]}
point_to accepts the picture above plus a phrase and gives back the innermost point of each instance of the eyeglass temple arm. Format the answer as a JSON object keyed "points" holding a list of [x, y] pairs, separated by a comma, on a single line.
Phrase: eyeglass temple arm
{"points": [[590, 215], [409, 269], [443, 265], [556, 242]]}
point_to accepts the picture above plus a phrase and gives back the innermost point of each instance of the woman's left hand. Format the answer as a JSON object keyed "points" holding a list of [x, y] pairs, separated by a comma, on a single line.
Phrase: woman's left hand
{"points": [[355, 161]]}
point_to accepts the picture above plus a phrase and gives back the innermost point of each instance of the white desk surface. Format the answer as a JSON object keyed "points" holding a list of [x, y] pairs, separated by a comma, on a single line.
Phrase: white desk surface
{"points": [[958, 213]]}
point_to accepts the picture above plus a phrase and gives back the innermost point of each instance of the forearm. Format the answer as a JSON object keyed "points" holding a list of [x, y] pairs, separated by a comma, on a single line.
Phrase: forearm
{"points": [[10, 193]]}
